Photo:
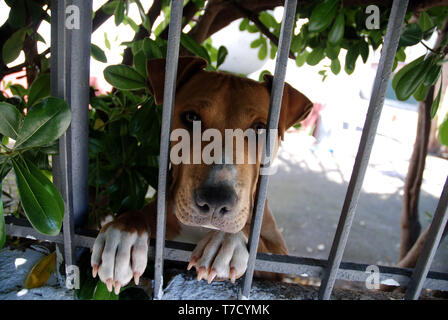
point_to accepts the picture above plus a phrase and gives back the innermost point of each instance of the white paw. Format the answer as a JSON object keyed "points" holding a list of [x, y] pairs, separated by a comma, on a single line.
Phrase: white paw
{"points": [[118, 256], [220, 256]]}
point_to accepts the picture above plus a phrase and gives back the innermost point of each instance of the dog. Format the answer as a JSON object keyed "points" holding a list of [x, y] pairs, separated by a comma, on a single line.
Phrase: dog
{"points": [[207, 204]]}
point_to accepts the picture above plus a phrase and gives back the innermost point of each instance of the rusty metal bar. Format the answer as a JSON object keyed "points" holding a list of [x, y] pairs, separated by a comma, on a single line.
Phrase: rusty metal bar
{"points": [[365, 146], [172, 57]]}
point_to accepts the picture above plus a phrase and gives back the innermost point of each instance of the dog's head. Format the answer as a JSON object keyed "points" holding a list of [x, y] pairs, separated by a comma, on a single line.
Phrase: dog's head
{"points": [[214, 182]]}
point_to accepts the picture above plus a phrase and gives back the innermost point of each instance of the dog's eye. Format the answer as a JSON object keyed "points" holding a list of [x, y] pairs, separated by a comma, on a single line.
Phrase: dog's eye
{"points": [[258, 126], [188, 118]]}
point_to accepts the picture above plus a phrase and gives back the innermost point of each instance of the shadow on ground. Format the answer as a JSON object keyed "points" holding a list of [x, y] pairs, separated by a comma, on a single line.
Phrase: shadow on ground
{"points": [[307, 193]]}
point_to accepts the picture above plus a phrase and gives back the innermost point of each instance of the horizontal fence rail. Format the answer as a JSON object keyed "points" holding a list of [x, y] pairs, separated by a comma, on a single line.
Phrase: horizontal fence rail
{"points": [[291, 265]]}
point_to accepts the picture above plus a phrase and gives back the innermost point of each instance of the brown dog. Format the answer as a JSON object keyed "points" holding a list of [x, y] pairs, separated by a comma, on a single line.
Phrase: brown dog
{"points": [[208, 204]]}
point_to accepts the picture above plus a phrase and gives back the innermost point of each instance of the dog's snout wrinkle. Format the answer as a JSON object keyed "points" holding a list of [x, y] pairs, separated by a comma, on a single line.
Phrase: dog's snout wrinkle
{"points": [[220, 199]]}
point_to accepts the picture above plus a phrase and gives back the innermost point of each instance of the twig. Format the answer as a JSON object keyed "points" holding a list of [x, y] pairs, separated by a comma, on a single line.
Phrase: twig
{"points": [[263, 29]]}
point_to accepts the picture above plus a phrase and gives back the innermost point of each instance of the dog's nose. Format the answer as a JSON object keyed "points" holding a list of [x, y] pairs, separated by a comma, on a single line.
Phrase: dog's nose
{"points": [[215, 199]]}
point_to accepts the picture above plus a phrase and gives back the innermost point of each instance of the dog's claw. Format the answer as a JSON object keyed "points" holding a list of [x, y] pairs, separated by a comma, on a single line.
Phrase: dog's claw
{"points": [[117, 287], [136, 278], [232, 274], [109, 284], [94, 270], [192, 263], [202, 273], [212, 275]]}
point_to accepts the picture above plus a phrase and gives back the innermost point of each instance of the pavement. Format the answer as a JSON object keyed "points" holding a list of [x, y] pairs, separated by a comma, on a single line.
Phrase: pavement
{"points": [[307, 193]]}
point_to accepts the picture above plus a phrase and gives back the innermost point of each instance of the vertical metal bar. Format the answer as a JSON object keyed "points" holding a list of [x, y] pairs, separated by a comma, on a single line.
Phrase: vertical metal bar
{"points": [[70, 66], [172, 57], [274, 114], [365, 146], [430, 247]]}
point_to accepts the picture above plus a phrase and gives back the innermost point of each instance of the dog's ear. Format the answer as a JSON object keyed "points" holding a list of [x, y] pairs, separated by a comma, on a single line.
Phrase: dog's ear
{"points": [[295, 105], [186, 67]]}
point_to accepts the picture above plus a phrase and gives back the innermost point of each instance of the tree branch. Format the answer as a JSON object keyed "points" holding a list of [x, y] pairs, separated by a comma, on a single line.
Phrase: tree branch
{"points": [[100, 17], [19, 67], [263, 29], [142, 33], [189, 11]]}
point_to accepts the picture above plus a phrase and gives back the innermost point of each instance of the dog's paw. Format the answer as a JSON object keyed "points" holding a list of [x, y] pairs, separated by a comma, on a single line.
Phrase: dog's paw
{"points": [[220, 256], [118, 256]]}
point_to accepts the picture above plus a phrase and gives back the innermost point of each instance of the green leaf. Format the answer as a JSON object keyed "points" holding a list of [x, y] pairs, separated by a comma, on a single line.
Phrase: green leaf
{"points": [[18, 90], [301, 58], [263, 52], [297, 43], [44, 123], [332, 51], [97, 53], [47, 185], [151, 49], [124, 77], [191, 45], [315, 56], [404, 70], [323, 15], [10, 120], [335, 66], [425, 22], [106, 41], [436, 103], [268, 20], [244, 23], [412, 34], [222, 54], [443, 132], [411, 80], [101, 292], [364, 50], [13, 46], [262, 73], [401, 55], [337, 30], [256, 43], [273, 51], [39, 90], [41, 209], [350, 59], [421, 92], [140, 61], [119, 12], [433, 74], [5, 166], [17, 14], [2, 223]]}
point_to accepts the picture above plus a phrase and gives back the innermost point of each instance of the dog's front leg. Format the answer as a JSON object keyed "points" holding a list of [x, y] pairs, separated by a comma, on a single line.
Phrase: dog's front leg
{"points": [[220, 256], [120, 251]]}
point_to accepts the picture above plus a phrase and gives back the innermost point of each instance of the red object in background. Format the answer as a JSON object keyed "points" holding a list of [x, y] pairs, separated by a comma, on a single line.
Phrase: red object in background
{"points": [[14, 78]]}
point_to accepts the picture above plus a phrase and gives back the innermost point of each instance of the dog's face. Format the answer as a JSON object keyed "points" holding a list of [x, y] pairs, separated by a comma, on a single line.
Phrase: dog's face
{"points": [[219, 194]]}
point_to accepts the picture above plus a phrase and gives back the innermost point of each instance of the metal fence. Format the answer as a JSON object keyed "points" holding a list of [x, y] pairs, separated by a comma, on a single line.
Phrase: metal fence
{"points": [[70, 54]]}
